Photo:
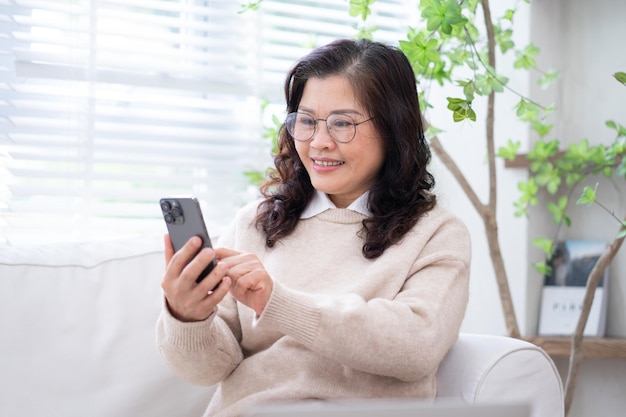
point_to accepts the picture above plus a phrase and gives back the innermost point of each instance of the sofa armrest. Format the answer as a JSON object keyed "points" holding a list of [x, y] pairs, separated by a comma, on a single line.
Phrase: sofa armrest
{"points": [[488, 368]]}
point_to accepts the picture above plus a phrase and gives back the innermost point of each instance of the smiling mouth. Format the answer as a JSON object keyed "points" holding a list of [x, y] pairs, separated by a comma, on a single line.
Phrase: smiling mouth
{"points": [[327, 163]]}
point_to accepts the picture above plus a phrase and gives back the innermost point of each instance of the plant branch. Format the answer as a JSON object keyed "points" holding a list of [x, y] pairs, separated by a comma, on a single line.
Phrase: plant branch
{"points": [[610, 212], [456, 172], [489, 216], [491, 153], [576, 354]]}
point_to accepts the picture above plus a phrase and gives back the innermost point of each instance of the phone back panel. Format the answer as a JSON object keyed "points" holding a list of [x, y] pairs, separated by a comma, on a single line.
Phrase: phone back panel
{"points": [[184, 220]]}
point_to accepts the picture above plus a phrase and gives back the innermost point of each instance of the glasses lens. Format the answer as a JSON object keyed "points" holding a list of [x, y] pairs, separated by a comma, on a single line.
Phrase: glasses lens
{"points": [[300, 126], [341, 127]]}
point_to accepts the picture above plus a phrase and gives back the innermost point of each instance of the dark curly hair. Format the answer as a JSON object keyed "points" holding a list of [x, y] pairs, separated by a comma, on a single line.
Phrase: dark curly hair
{"points": [[384, 83]]}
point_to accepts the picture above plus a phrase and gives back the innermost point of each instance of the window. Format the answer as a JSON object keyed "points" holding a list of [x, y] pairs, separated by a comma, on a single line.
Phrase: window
{"points": [[108, 105]]}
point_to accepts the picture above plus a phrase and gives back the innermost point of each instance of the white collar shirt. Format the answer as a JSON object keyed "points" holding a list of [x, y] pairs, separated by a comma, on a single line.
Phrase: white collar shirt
{"points": [[321, 202]]}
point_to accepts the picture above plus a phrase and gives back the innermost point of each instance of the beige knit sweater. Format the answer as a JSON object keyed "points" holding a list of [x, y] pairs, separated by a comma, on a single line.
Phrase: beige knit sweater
{"points": [[337, 325]]}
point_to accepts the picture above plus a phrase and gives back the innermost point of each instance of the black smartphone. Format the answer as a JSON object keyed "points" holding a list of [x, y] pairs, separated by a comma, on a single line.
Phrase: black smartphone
{"points": [[184, 220]]}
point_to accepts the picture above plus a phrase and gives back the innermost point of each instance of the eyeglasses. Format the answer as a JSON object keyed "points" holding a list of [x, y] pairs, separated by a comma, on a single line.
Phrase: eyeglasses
{"points": [[341, 127]]}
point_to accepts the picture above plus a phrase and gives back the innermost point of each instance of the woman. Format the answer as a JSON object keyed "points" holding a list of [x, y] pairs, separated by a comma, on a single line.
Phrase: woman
{"points": [[347, 280]]}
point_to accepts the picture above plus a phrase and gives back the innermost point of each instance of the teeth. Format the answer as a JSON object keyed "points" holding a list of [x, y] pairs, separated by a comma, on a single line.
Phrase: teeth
{"points": [[327, 163]]}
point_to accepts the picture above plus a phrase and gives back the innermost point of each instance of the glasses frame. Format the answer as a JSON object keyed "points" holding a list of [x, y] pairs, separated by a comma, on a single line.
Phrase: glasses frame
{"points": [[328, 129]]}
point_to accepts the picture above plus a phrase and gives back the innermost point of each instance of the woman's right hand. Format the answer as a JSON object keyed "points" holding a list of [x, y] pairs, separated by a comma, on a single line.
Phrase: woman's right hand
{"points": [[187, 300]]}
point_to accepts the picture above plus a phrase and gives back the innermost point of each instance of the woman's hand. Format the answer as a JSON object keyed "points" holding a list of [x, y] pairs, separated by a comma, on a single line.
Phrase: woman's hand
{"points": [[251, 284], [187, 300]]}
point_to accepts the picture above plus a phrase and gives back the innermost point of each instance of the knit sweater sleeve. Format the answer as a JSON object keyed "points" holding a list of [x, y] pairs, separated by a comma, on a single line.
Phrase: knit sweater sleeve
{"points": [[203, 352], [403, 336]]}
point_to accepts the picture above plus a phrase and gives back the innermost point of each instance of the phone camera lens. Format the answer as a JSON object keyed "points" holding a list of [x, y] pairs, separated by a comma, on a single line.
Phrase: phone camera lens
{"points": [[176, 212], [169, 218], [166, 206]]}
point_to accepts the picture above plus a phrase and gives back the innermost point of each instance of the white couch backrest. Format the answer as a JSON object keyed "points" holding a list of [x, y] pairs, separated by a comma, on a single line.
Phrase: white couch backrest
{"points": [[77, 326], [77, 339]]}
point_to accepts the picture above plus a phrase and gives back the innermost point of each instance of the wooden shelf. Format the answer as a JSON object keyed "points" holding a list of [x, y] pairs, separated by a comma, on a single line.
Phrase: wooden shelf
{"points": [[521, 161], [592, 347]]}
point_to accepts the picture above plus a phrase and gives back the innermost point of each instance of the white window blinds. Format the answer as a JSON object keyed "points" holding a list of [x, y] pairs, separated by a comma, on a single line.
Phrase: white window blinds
{"points": [[108, 105]]}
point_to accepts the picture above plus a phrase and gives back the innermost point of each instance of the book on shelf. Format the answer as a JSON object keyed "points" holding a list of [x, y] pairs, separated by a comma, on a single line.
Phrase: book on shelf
{"points": [[564, 290]]}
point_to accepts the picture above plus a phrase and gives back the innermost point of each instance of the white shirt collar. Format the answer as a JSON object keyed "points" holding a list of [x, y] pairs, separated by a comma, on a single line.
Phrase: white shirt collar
{"points": [[321, 202]]}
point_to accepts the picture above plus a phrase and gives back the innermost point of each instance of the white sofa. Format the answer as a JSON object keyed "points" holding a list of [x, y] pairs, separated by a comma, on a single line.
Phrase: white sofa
{"points": [[77, 339]]}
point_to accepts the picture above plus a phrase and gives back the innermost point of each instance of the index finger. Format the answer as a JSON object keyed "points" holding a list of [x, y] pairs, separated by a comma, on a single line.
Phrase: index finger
{"points": [[222, 253]]}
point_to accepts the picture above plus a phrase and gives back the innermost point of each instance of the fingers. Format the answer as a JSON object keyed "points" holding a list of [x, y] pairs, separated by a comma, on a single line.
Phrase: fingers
{"points": [[222, 253], [251, 285], [169, 249], [186, 299], [184, 256]]}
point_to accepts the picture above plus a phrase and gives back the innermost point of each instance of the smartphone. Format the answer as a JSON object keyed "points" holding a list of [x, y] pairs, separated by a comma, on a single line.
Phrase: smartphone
{"points": [[184, 220]]}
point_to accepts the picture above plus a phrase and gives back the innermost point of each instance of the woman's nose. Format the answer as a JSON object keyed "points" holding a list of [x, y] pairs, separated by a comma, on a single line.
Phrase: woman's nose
{"points": [[322, 139]]}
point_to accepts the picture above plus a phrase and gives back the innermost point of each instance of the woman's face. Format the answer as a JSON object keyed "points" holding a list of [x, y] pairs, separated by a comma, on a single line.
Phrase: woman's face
{"points": [[344, 171]]}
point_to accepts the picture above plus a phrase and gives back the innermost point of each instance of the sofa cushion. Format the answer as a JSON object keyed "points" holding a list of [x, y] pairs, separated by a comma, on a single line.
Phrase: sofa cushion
{"points": [[77, 333]]}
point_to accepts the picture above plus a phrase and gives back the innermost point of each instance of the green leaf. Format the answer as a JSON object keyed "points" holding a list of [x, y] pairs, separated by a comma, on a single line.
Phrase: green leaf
{"points": [[549, 178], [509, 151], [455, 103], [439, 72], [559, 211], [421, 50], [434, 12], [366, 33], [528, 191], [509, 14], [573, 178], [546, 245], [503, 39], [548, 78], [521, 209], [526, 111], [254, 177], [442, 15], [542, 151], [251, 5], [542, 129], [543, 268], [526, 57], [468, 89], [432, 131], [621, 130], [361, 8], [588, 196], [461, 109], [620, 76]]}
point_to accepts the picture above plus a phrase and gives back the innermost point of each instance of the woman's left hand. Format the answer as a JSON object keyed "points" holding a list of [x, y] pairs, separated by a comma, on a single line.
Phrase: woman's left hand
{"points": [[251, 284]]}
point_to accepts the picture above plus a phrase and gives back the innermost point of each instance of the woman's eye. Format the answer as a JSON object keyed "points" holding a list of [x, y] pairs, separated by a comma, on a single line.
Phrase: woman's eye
{"points": [[306, 121], [342, 124]]}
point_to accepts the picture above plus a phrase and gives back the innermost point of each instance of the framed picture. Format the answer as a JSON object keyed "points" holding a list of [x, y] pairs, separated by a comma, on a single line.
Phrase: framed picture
{"points": [[564, 290]]}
